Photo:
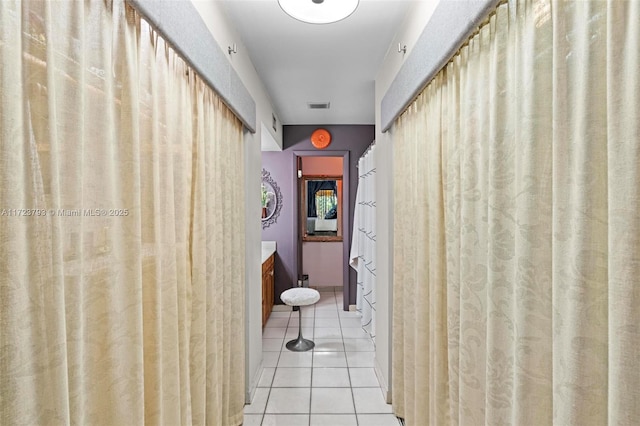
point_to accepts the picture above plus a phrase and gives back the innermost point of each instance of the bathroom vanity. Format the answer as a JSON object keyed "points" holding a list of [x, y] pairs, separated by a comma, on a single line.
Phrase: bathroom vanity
{"points": [[268, 255]]}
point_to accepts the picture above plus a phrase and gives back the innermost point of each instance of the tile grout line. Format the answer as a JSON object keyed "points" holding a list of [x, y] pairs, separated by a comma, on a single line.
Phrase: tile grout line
{"points": [[313, 355], [346, 360], [264, 413]]}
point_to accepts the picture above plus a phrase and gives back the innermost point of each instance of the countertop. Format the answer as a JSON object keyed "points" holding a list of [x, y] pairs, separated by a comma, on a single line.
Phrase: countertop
{"points": [[268, 248]]}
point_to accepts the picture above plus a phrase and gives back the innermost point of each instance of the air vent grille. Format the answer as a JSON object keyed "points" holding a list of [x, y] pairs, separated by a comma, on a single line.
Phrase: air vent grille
{"points": [[318, 105]]}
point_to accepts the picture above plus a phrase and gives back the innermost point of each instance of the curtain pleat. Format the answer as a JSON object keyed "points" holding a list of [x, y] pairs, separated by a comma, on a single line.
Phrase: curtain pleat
{"points": [[516, 247], [121, 225], [623, 176], [580, 228]]}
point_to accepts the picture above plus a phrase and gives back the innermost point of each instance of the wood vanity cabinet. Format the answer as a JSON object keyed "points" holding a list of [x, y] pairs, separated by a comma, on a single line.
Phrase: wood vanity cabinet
{"points": [[267, 289]]}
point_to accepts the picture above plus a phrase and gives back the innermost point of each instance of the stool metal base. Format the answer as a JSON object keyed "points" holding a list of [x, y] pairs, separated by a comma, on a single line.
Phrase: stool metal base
{"points": [[300, 344]]}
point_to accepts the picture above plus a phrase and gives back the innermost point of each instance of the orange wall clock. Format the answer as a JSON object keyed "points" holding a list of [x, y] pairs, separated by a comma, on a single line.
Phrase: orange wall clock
{"points": [[320, 138]]}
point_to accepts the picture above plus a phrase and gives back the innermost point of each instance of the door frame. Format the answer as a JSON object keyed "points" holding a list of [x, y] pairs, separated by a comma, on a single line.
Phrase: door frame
{"points": [[346, 215]]}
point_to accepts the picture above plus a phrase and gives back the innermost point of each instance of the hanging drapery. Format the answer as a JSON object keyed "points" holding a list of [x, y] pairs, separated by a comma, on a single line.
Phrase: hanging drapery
{"points": [[121, 227], [516, 225], [313, 186], [362, 257]]}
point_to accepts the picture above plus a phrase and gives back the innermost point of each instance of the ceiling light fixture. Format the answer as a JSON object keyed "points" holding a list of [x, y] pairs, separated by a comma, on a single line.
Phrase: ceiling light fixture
{"points": [[319, 11]]}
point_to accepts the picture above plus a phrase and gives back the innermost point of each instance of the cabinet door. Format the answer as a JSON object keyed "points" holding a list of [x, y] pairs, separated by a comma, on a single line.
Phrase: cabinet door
{"points": [[267, 289], [265, 297], [270, 290]]}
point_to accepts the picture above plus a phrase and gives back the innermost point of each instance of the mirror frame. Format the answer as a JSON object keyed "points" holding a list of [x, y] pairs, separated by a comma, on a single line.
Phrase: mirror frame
{"points": [[273, 213], [303, 210]]}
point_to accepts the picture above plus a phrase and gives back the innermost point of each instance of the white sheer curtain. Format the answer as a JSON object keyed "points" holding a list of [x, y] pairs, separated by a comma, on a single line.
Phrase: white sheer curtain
{"points": [[121, 227], [363, 243], [517, 233]]}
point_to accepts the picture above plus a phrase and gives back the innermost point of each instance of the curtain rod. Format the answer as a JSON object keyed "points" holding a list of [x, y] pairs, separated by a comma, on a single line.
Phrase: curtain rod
{"points": [[366, 151], [449, 27], [200, 51]]}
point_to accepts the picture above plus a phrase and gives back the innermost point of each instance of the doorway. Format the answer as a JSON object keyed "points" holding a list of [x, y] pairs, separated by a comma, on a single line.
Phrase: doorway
{"points": [[323, 228]]}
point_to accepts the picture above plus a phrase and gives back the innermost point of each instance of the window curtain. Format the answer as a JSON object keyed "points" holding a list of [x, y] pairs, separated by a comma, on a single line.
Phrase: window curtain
{"points": [[516, 224], [313, 186], [121, 227], [362, 257]]}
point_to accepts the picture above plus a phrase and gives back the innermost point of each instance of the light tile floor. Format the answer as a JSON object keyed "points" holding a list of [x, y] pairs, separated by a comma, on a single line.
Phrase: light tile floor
{"points": [[334, 384]]}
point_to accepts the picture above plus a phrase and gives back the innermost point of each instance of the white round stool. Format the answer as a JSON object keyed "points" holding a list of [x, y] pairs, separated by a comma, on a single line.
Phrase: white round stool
{"points": [[300, 296]]}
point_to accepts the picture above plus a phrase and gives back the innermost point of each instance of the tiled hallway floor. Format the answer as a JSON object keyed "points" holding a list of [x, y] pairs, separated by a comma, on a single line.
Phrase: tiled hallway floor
{"points": [[334, 384]]}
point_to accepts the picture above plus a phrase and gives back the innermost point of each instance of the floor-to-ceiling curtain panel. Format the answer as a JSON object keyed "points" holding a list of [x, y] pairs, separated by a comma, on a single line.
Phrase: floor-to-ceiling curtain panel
{"points": [[517, 225], [121, 225], [362, 256]]}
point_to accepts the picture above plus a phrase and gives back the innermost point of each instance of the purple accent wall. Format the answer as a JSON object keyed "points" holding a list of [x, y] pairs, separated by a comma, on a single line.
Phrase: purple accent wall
{"points": [[296, 140], [282, 168]]}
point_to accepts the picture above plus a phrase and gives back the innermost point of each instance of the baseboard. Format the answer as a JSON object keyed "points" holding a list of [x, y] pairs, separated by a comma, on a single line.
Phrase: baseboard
{"points": [[281, 308], [352, 308], [251, 392], [327, 288], [384, 386]]}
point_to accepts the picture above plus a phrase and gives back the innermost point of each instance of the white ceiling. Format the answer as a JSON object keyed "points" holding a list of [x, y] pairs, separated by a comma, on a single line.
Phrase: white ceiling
{"points": [[300, 63]]}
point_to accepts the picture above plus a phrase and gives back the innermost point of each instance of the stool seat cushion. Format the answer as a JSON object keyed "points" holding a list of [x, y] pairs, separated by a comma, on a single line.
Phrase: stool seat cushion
{"points": [[300, 296]]}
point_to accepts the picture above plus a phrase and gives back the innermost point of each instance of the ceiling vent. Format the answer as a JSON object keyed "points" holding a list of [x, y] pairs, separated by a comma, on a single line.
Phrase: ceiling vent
{"points": [[318, 105]]}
